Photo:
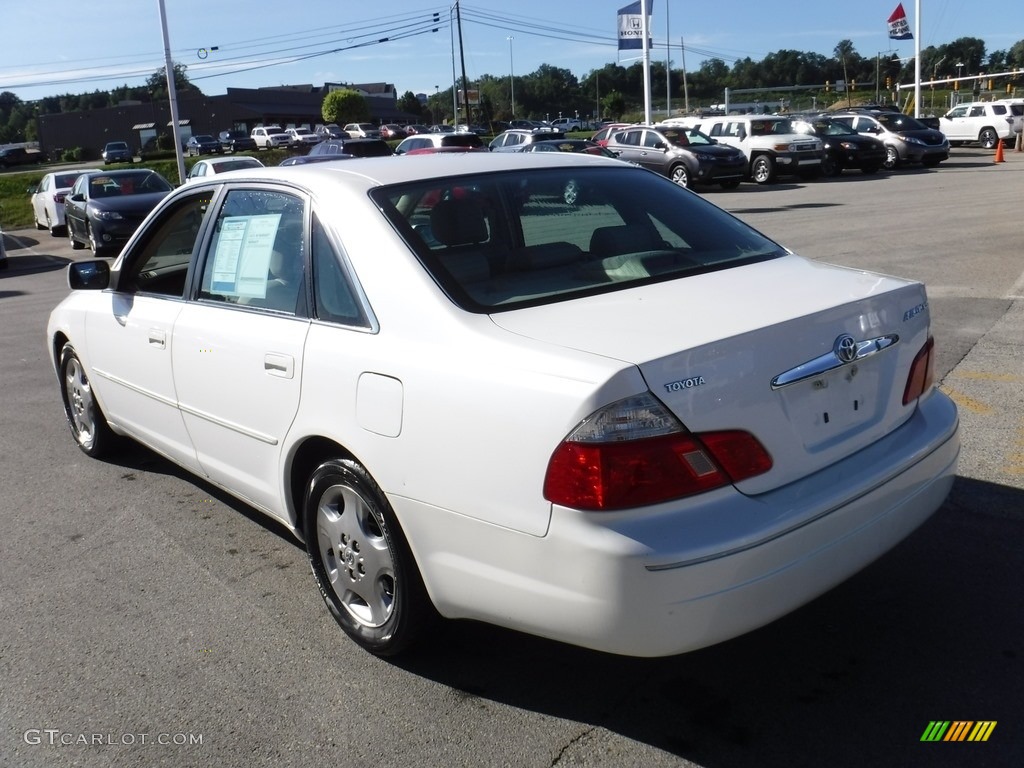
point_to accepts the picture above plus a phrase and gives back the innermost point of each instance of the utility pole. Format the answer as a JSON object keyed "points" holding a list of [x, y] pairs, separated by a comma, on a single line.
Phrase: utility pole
{"points": [[172, 94], [462, 59], [686, 90]]}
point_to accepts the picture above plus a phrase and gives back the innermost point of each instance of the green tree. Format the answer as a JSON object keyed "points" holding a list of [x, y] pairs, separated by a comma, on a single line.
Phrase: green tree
{"points": [[409, 104], [613, 105], [156, 83], [1015, 56], [345, 106]]}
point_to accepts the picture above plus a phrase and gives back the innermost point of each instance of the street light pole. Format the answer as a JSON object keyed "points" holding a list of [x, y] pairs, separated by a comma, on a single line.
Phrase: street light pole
{"points": [[511, 78]]}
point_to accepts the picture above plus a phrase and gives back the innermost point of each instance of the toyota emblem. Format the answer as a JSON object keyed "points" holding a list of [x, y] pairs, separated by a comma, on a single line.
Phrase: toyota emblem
{"points": [[846, 348]]}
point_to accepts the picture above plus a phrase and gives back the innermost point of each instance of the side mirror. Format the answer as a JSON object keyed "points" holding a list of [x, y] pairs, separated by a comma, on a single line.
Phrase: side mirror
{"points": [[88, 275], [78, 197]]}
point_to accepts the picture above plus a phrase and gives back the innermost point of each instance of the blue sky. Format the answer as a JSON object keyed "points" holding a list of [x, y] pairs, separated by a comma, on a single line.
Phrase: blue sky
{"points": [[260, 43]]}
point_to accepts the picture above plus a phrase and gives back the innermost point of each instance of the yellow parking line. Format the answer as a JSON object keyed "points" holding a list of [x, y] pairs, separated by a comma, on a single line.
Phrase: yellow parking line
{"points": [[984, 376], [966, 402]]}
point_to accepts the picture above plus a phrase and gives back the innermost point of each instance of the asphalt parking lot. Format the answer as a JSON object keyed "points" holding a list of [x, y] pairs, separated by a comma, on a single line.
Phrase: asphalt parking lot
{"points": [[149, 619]]}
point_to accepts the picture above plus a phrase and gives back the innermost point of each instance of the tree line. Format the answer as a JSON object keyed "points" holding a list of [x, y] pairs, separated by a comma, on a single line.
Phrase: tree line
{"points": [[611, 91]]}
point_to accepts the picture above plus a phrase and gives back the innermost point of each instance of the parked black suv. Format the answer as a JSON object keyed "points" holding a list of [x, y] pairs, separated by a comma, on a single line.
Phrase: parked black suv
{"points": [[236, 141]]}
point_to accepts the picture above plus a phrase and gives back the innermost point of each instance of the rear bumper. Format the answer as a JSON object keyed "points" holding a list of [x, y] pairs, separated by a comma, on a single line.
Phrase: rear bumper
{"points": [[675, 578]]}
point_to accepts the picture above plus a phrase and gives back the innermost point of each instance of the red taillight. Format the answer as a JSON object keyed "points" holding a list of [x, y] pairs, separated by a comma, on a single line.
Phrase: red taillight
{"points": [[922, 373], [58, 197], [634, 473]]}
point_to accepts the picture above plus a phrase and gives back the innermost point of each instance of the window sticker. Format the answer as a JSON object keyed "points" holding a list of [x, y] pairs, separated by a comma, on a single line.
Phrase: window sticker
{"points": [[241, 262]]}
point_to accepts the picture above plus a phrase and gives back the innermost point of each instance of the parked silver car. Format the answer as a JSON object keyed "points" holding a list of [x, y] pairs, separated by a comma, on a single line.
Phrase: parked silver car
{"points": [[514, 139], [906, 140]]}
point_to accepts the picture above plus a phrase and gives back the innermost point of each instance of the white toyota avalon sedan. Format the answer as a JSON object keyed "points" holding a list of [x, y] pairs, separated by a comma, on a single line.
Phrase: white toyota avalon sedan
{"points": [[634, 424]]}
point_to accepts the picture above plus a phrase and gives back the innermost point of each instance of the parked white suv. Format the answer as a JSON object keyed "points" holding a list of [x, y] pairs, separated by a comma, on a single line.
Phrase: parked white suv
{"points": [[772, 146], [270, 136], [980, 121]]}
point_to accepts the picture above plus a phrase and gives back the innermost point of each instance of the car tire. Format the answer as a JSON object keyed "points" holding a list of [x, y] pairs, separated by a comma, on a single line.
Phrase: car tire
{"points": [[892, 159], [988, 138], [360, 560], [762, 170], [680, 175], [55, 229], [41, 225], [85, 419], [94, 244], [571, 192], [75, 245], [831, 167]]}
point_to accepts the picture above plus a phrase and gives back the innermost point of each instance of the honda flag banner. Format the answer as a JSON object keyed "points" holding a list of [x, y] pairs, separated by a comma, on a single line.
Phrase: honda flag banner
{"points": [[631, 27], [899, 29]]}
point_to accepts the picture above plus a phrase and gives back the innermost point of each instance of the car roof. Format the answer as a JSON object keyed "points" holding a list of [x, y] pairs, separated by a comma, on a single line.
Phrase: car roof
{"points": [[366, 173], [120, 172]]}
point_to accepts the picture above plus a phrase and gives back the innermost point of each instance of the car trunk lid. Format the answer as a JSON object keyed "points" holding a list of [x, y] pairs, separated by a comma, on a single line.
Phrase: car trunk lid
{"points": [[758, 348]]}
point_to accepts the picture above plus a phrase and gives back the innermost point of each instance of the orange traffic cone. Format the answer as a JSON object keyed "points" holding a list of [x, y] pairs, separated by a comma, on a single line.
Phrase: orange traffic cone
{"points": [[999, 151]]}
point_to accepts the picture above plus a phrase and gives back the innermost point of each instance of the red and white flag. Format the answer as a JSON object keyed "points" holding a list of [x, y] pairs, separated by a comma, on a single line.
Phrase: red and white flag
{"points": [[899, 29]]}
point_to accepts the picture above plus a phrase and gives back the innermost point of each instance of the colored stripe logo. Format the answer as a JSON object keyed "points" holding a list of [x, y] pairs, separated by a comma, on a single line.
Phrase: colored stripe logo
{"points": [[958, 730]]}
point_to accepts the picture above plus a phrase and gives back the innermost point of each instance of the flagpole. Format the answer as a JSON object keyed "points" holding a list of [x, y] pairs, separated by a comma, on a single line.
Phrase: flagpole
{"points": [[917, 58], [647, 62]]}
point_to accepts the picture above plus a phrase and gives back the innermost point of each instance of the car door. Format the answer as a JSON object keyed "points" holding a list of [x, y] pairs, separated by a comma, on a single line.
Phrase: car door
{"points": [[954, 123], [74, 207], [238, 346], [39, 198], [130, 341], [627, 144], [653, 152]]}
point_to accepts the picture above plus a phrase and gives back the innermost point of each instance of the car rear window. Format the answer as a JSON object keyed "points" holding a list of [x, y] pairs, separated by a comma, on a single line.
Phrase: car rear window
{"points": [[461, 140], [503, 241], [367, 148]]}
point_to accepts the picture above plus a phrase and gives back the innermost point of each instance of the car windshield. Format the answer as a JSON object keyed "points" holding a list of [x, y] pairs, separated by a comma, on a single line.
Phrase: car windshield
{"points": [[766, 127], [697, 138], [897, 122], [461, 140], [504, 241], [131, 183], [827, 128], [684, 137]]}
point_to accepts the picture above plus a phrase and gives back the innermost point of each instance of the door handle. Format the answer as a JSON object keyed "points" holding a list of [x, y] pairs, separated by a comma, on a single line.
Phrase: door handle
{"points": [[279, 365], [157, 338]]}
